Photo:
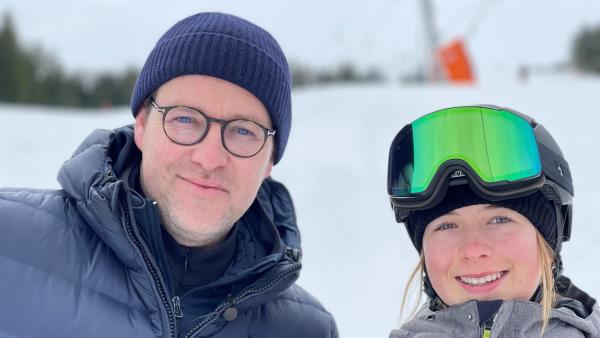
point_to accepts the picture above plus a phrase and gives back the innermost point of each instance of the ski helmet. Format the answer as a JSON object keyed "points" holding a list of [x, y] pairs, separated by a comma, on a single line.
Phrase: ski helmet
{"points": [[501, 154]]}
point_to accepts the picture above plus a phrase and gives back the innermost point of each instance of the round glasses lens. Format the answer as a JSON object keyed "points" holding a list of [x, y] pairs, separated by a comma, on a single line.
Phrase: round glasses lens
{"points": [[185, 125], [243, 137]]}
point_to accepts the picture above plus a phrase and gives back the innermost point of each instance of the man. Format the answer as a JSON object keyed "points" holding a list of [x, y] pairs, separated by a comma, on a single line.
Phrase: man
{"points": [[172, 227]]}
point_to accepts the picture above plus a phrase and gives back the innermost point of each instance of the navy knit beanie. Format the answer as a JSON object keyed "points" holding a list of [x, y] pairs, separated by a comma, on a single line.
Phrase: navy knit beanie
{"points": [[535, 207], [229, 48]]}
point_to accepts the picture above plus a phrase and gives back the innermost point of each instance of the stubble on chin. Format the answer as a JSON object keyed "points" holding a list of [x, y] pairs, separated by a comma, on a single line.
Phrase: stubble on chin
{"points": [[196, 232], [190, 227]]}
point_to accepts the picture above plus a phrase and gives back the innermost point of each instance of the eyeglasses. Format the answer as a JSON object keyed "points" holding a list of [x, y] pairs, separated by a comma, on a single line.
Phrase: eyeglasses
{"points": [[187, 126]]}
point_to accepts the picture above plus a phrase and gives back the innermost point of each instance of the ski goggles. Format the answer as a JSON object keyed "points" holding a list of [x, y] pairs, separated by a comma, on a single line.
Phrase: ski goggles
{"points": [[493, 150]]}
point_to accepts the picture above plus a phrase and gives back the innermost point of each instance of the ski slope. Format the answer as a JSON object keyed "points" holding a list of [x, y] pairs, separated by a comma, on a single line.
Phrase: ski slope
{"points": [[356, 258]]}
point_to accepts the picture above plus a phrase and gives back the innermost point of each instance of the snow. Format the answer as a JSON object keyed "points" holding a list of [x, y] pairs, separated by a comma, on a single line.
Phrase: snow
{"points": [[356, 258]]}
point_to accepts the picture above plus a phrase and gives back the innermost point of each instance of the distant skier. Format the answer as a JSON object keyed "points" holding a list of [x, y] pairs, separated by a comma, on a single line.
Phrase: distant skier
{"points": [[486, 198]]}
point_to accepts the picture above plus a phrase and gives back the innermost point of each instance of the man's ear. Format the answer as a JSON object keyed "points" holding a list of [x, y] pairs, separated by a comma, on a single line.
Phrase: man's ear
{"points": [[139, 128], [268, 171]]}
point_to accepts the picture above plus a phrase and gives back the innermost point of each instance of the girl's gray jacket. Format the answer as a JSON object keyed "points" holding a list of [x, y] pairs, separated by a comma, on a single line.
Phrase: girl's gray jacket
{"points": [[514, 319], [74, 263]]}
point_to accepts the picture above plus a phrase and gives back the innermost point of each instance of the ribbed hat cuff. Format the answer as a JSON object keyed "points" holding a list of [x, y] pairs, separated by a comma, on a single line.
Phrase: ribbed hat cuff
{"points": [[535, 207]]}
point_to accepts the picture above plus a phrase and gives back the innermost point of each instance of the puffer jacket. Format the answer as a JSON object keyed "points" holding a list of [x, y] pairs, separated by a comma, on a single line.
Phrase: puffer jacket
{"points": [[576, 316], [73, 262]]}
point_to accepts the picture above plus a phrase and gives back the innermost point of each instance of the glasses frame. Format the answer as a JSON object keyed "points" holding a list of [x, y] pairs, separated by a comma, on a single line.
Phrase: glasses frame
{"points": [[164, 110]]}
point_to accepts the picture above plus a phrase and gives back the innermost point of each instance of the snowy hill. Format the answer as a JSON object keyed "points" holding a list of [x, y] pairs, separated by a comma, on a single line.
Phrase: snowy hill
{"points": [[356, 258]]}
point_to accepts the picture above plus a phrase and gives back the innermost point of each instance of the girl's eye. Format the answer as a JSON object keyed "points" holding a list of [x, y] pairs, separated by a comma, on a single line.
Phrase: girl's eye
{"points": [[445, 226], [500, 219]]}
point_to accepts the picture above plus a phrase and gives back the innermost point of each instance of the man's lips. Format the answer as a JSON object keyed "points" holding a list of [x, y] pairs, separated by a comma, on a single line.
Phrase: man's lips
{"points": [[205, 184]]}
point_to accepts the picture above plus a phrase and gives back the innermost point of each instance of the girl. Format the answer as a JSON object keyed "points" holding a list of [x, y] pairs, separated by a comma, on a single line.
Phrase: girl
{"points": [[486, 198]]}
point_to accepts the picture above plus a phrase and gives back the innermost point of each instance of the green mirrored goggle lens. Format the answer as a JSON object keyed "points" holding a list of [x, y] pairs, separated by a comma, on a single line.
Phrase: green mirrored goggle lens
{"points": [[499, 146]]}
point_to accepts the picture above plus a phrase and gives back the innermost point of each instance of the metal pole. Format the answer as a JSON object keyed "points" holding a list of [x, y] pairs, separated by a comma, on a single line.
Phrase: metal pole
{"points": [[432, 66]]}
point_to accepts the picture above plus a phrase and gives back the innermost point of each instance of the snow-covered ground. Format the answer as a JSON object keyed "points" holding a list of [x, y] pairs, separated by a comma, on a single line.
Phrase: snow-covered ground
{"points": [[356, 258]]}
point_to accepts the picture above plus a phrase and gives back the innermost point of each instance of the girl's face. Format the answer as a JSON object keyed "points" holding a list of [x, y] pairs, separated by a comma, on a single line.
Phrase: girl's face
{"points": [[482, 252]]}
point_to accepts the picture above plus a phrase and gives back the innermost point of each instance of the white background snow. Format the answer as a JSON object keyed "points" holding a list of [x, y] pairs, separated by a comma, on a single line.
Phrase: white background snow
{"points": [[356, 258]]}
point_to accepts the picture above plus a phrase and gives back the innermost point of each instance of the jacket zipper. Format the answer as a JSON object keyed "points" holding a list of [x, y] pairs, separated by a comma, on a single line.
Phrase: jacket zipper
{"points": [[487, 328], [153, 272], [136, 241], [242, 296], [109, 178], [177, 307]]}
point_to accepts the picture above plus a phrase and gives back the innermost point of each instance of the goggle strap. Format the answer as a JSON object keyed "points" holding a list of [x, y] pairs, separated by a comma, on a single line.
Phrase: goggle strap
{"points": [[555, 168]]}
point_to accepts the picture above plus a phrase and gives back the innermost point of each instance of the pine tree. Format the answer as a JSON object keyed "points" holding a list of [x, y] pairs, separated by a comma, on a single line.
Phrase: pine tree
{"points": [[9, 56], [586, 50]]}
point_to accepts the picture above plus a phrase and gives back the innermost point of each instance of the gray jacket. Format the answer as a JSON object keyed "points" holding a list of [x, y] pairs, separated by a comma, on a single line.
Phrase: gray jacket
{"points": [[515, 318]]}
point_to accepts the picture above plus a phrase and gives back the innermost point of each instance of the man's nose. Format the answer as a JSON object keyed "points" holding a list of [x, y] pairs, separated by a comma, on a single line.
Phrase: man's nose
{"points": [[211, 153]]}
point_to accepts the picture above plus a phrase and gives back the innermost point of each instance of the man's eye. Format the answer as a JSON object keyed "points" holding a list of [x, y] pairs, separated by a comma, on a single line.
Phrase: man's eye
{"points": [[183, 119], [243, 132]]}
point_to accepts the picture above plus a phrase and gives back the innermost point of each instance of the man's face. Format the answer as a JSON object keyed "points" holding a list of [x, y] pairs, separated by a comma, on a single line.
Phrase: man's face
{"points": [[201, 189]]}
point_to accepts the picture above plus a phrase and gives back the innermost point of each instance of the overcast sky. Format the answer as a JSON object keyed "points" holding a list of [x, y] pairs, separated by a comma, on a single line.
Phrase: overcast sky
{"points": [[96, 35]]}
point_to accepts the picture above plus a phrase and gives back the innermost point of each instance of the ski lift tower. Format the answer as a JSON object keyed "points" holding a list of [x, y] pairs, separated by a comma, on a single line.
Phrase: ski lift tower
{"points": [[432, 67]]}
